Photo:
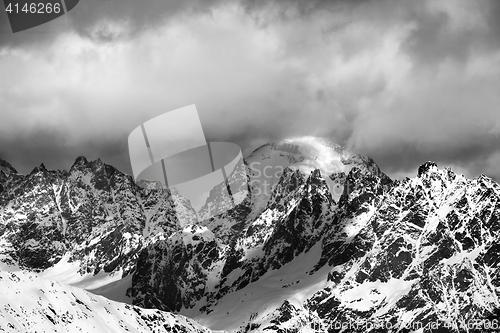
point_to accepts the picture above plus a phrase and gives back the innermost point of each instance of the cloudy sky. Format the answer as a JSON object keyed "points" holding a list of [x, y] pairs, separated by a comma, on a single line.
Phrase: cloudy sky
{"points": [[401, 81]]}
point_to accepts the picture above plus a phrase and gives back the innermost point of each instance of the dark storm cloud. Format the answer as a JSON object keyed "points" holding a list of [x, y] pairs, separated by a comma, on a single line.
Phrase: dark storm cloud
{"points": [[292, 9], [403, 158], [105, 20], [450, 116], [401, 81], [93, 18], [111, 20], [26, 152], [439, 34], [447, 108]]}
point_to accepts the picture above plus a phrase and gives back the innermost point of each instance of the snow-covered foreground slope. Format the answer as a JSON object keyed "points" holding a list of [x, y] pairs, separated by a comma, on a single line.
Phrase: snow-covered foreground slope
{"points": [[31, 304]]}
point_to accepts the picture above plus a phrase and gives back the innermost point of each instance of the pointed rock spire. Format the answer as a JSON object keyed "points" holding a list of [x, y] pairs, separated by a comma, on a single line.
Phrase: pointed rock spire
{"points": [[81, 161], [6, 167], [40, 168], [427, 167]]}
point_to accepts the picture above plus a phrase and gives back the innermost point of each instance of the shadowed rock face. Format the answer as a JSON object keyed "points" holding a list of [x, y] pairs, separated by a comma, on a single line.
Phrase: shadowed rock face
{"points": [[172, 273], [191, 258], [94, 213], [6, 167]]}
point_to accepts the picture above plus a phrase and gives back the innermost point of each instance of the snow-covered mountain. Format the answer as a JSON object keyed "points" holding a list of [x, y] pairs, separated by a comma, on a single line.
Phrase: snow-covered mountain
{"points": [[422, 254], [417, 253], [92, 216], [294, 255], [265, 167], [267, 163]]}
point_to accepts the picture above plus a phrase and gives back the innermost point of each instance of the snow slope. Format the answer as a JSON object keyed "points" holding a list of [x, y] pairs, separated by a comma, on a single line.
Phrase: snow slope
{"points": [[31, 304], [291, 282]]}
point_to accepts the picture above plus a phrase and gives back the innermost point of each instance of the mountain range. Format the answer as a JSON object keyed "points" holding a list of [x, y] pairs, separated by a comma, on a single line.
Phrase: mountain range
{"points": [[323, 241]]}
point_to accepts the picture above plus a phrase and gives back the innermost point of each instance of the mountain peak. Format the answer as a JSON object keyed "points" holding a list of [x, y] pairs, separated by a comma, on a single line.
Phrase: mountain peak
{"points": [[307, 153], [310, 153], [427, 167], [80, 160], [6, 167], [315, 177], [40, 168]]}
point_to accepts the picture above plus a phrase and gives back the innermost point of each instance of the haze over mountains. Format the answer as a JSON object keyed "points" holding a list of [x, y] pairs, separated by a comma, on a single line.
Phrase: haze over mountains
{"points": [[323, 239]]}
